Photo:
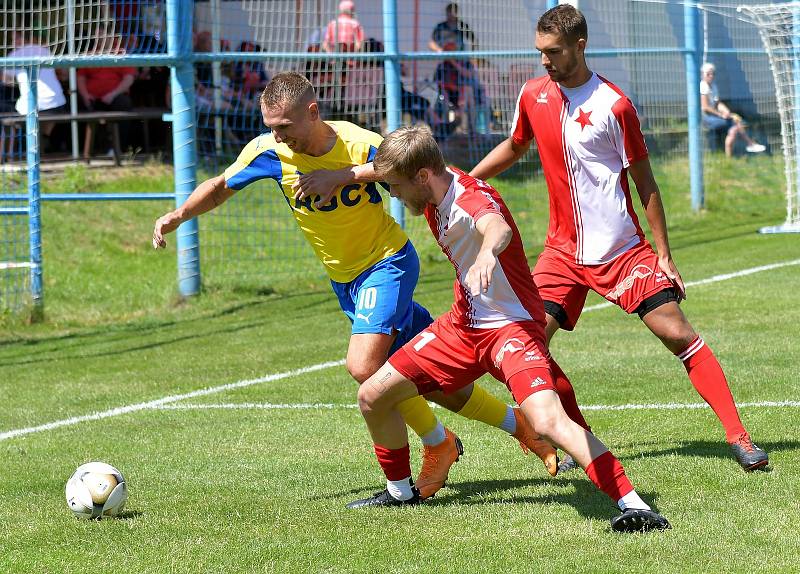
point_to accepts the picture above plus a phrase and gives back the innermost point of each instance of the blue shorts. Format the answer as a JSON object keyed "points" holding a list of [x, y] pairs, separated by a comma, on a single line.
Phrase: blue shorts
{"points": [[713, 122], [380, 300]]}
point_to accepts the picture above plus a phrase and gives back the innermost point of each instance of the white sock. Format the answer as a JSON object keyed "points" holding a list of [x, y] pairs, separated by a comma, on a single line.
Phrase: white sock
{"points": [[400, 489], [632, 500], [436, 436], [509, 423]]}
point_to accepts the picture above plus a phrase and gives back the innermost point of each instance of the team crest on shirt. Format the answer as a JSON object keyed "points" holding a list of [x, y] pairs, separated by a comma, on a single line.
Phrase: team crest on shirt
{"points": [[584, 118]]}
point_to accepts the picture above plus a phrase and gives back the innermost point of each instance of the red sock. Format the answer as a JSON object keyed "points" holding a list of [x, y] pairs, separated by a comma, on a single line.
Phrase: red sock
{"points": [[396, 463], [709, 380], [607, 474], [567, 395]]}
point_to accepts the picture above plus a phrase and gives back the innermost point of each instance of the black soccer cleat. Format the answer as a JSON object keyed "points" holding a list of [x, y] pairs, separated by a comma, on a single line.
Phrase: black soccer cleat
{"points": [[637, 520], [747, 454], [567, 463], [385, 499]]}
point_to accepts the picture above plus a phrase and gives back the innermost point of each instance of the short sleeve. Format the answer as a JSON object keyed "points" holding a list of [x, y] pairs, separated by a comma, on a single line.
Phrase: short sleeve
{"points": [[253, 163], [705, 89], [477, 203], [521, 128], [626, 132]]}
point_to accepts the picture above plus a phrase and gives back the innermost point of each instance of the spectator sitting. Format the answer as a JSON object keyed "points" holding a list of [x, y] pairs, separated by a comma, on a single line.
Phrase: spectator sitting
{"points": [[50, 96], [458, 82], [250, 77], [718, 117], [419, 108], [107, 89], [321, 73], [457, 78]]}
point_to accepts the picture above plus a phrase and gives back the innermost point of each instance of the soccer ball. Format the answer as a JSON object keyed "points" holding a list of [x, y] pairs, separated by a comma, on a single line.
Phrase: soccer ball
{"points": [[96, 490]]}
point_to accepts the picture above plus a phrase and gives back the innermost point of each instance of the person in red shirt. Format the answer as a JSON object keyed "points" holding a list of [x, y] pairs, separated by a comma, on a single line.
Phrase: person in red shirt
{"points": [[495, 326], [588, 136], [344, 33], [107, 89]]}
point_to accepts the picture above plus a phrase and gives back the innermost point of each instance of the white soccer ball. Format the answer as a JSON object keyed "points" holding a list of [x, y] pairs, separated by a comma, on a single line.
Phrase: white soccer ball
{"points": [[96, 490]]}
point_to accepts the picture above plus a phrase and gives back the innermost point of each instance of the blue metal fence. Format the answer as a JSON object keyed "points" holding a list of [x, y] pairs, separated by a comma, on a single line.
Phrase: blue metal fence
{"points": [[500, 68]]}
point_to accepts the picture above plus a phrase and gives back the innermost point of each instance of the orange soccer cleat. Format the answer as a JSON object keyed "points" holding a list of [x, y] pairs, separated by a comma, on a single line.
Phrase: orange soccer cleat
{"points": [[436, 463], [530, 441]]}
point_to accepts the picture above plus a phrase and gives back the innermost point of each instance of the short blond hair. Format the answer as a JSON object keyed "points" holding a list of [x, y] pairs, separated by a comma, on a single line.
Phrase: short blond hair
{"points": [[407, 150], [287, 89]]}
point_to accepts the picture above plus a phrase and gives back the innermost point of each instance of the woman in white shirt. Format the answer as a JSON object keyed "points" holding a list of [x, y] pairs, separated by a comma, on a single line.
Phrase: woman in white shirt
{"points": [[717, 116], [50, 96]]}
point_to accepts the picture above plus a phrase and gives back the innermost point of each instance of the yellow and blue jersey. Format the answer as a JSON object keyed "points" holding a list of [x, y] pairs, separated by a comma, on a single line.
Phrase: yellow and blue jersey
{"points": [[352, 232]]}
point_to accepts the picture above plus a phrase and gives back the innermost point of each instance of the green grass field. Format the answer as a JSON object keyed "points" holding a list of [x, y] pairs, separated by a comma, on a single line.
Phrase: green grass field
{"points": [[255, 478]]}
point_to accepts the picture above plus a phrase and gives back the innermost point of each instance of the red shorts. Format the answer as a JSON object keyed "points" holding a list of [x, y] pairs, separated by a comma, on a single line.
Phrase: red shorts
{"points": [[625, 281], [446, 357]]}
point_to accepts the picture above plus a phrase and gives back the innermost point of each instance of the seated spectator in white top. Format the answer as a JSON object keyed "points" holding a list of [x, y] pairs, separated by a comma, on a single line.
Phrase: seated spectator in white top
{"points": [[717, 116], [50, 96]]}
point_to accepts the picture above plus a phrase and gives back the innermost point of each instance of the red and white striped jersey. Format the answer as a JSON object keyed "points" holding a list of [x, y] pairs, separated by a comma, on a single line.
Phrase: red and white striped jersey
{"points": [[587, 137], [512, 295]]}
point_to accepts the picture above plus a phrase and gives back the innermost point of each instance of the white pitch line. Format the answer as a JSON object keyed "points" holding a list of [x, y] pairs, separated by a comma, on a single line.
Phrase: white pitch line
{"points": [[166, 400], [211, 390], [328, 406], [715, 279]]}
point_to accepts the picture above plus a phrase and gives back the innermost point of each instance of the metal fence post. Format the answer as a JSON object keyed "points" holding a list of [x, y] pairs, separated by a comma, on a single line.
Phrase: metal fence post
{"points": [[692, 61], [184, 143], [34, 212], [393, 81]]}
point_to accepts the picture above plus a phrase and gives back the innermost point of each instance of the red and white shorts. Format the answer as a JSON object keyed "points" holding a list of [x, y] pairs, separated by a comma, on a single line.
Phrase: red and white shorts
{"points": [[446, 357], [625, 281]]}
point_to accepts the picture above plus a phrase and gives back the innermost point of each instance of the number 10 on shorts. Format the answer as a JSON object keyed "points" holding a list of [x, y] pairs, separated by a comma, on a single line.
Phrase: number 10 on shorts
{"points": [[367, 298]]}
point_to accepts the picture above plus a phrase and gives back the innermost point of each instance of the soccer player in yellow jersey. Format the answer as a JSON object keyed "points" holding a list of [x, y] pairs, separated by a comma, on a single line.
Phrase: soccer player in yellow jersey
{"points": [[372, 265]]}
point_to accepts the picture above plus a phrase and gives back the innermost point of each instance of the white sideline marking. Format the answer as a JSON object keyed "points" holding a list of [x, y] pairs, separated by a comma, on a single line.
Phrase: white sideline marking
{"points": [[310, 406], [212, 390], [166, 400], [16, 265], [715, 279]]}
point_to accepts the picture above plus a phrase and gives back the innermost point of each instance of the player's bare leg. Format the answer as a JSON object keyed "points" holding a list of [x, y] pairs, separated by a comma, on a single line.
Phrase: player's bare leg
{"points": [[441, 448], [549, 419], [368, 352], [670, 325], [378, 399], [565, 392]]}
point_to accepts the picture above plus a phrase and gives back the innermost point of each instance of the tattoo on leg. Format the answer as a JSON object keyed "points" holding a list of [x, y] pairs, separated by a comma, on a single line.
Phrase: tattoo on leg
{"points": [[379, 385]]}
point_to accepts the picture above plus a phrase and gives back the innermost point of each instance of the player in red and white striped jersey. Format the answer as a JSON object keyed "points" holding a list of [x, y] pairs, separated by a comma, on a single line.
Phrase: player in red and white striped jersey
{"points": [[589, 140], [495, 326]]}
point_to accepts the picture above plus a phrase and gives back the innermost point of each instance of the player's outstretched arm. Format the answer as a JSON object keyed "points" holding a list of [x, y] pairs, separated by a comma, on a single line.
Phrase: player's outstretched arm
{"points": [[499, 159], [646, 186], [208, 195], [324, 182], [496, 237]]}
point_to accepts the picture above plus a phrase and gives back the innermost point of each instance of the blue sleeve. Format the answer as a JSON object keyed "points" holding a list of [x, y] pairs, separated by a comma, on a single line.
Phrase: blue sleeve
{"points": [[372, 151], [264, 165]]}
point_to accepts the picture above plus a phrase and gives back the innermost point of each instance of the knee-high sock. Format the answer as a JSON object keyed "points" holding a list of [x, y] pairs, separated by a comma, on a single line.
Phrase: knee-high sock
{"points": [[484, 407], [418, 415], [567, 395], [607, 474], [708, 379], [396, 463]]}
